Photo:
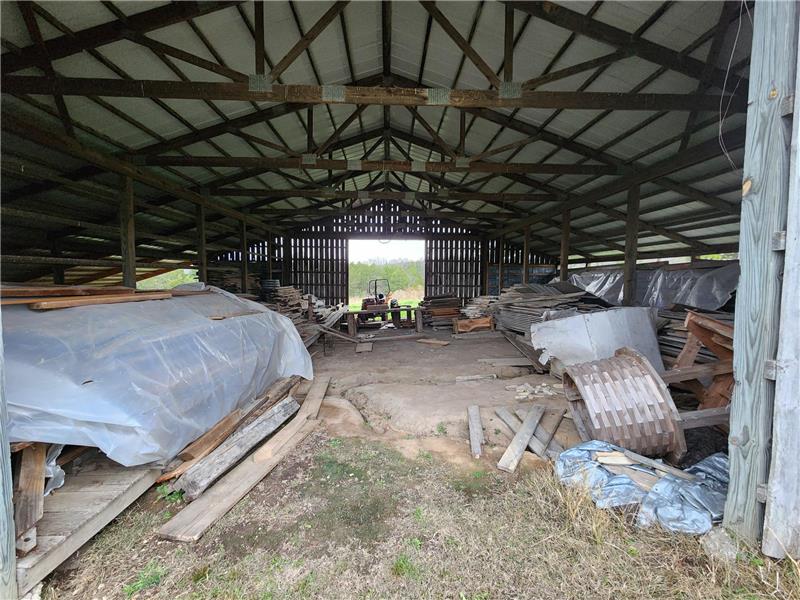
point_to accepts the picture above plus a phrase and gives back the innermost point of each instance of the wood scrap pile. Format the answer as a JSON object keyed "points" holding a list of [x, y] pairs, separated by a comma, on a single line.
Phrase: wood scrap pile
{"points": [[292, 303], [521, 305], [477, 324], [223, 469], [439, 311], [230, 280], [478, 307], [672, 332], [55, 297]]}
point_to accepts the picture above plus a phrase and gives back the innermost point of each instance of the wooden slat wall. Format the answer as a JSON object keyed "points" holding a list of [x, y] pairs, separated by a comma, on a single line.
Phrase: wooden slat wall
{"points": [[319, 266], [539, 266], [453, 267]]}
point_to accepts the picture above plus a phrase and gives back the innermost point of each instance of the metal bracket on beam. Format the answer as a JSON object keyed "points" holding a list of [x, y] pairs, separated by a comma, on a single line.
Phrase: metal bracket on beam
{"points": [[761, 493], [438, 96], [258, 82], [308, 159], [333, 93], [771, 369], [778, 242], [510, 89], [787, 106]]}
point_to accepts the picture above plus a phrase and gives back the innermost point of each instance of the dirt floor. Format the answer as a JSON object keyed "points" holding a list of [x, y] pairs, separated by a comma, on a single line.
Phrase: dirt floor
{"points": [[384, 501]]}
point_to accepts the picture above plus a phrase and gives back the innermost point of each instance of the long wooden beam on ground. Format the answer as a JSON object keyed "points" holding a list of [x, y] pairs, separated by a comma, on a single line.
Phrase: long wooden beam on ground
{"points": [[341, 94]]}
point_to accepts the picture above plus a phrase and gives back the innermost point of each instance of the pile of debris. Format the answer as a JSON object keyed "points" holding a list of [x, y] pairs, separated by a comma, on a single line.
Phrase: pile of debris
{"points": [[672, 332], [522, 305], [439, 311], [479, 306], [292, 303]]}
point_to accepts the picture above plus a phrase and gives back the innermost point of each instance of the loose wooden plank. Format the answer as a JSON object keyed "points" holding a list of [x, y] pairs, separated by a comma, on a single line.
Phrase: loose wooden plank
{"points": [[363, 347], [511, 457], [707, 417], [644, 480], [314, 397], [507, 362], [192, 522], [432, 342], [659, 466], [475, 430], [33, 291], [55, 547], [211, 438], [92, 300], [29, 495], [680, 374], [205, 472], [541, 435]]}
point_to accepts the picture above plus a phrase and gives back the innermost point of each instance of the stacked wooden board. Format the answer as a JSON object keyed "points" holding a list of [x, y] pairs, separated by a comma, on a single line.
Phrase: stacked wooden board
{"points": [[672, 332], [230, 280], [55, 297], [439, 311], [521, 305], [478, 307]]}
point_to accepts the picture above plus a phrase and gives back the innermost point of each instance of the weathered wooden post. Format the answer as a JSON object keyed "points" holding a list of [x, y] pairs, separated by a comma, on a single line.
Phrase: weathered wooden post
{"points": [[501, 245], [631, 247], [484, 266], [127, 232], [245, 254], [8, 563], [759, 324], [202, 256], [526, 251], [563, 262]]}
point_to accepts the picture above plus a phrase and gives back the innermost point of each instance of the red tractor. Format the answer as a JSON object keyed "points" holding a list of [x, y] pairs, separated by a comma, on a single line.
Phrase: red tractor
{"points": [[380, 298]]}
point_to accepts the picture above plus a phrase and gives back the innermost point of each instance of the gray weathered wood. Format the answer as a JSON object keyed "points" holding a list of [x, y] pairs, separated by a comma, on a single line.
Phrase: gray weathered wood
{"points": [[202, 257], [29, 495], [127, 232], [511, 457], [475, 430], [631, 247], [782, 513], [706, 417], [201, 475], [765, 198], [8, 579], [542, 439]]}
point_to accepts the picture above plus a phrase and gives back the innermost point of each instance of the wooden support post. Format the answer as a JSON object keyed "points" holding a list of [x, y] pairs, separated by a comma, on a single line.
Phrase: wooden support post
{"points": [[501, 245], [271, 246], [418, 319], [258, 6], [202, 256], [526, 252], [286, 267], [759, 330], [631, 244], [563, 264], [8, 565], [310, 129], [508, 46], [484, 266], [244, 250], [127, 232]]}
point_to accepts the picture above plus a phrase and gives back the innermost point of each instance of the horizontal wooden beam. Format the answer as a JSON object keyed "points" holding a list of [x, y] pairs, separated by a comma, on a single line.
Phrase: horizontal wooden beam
{"points": [[107, 33], [87, 262], [340, 94], [332, 194], [314, 162], [345, 212]]}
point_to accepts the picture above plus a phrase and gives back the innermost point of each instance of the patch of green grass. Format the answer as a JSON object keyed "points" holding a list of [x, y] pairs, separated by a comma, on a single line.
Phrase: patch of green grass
{"points": [[334, 469], [148, 577], [415, 543], [418, 516], [335, 443], [165, 494], [441, 429], [473, 484], [479, 596], [201, 574], [424, 455], [403, 566], [305, 584]]}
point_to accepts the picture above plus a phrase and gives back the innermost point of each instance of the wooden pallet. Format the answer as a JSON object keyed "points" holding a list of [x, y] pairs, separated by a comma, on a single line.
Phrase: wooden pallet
{"points": [[74, 513]]}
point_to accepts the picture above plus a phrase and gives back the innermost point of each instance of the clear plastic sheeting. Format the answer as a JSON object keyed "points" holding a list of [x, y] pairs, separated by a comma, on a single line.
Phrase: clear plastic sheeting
{"points": [[677, 505], [708, 289], [140, 380]]}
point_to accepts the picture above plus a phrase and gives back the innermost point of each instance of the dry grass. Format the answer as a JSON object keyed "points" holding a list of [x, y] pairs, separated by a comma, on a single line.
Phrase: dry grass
{"points": [[354, 519]]}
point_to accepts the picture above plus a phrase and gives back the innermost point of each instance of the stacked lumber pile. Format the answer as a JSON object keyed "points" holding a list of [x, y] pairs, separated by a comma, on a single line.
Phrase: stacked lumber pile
{"points": [[439, 311], [230, 280], [287, 300], [521, 305], [672, 332], [478, 307], [292, 303], [229, 460], [57, 296]]}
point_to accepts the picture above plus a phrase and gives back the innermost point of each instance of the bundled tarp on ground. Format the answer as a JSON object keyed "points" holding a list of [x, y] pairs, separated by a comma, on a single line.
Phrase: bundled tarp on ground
{"points": [[141, 380]]}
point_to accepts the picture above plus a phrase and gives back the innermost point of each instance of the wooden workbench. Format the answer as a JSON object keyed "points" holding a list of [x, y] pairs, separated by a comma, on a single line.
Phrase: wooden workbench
{"points": [[396, 315]]}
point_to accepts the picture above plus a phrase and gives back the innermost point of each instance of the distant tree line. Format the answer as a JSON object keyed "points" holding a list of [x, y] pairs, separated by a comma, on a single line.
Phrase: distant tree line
{"points": [[402, 274]]}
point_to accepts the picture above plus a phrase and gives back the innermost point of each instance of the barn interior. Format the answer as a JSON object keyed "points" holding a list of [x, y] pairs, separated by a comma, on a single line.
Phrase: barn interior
{"points": [[576, 168]]}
